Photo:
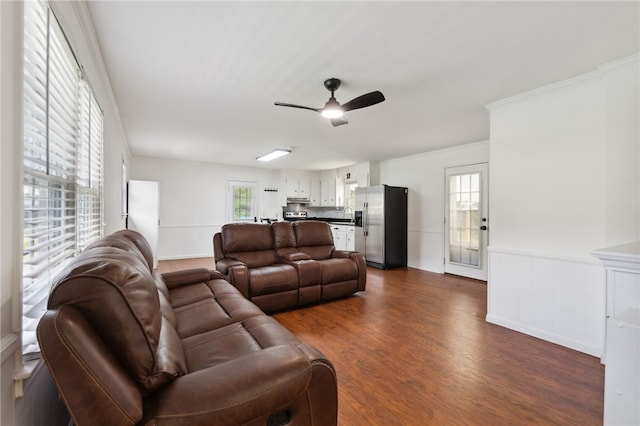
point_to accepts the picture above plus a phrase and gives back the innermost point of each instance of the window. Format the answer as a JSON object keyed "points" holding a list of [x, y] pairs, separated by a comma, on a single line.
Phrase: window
{"points": [[62, 170], [243, 201], [350, 195]]}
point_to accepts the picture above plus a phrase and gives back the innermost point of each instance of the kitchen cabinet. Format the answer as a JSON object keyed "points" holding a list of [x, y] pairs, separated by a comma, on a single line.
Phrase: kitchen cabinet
{"points": [[298, 188], [314, 193], [339, 237], [328, 194], [343, 237], [622, 334], [351, 237]]}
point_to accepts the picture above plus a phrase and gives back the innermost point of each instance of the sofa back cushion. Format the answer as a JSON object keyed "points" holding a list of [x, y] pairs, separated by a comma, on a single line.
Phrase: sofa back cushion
{"points": [[250, 243], [120, 241], [140, 242], [314, 238], [283, 235], [115, 291]]}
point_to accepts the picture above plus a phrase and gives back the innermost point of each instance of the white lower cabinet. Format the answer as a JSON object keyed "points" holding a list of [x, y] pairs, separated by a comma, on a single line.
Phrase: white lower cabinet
{"points": [[351, 237], [339, 237], [622, 336], [343, 237]]}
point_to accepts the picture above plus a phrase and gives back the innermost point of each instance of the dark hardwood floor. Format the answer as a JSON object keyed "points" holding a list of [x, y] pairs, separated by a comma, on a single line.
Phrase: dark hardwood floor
{"points": [[415, 349]]}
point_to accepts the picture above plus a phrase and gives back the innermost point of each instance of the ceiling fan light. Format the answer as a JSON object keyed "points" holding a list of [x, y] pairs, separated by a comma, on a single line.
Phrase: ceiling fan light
{"points": [[332, 109], [332, 112], [274, 154]]}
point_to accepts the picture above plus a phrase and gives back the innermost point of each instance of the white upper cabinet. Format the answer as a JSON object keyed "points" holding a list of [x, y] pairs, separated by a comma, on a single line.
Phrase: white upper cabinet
{"points": [[298, 188]]}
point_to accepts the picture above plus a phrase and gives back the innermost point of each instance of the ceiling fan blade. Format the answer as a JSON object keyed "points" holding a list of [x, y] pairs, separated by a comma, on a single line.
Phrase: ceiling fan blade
{"points": [[297, 106], [363, 101], [338, 121]]}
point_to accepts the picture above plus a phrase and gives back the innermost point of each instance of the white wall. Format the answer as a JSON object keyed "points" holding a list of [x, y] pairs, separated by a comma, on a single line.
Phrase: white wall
{"points": [[194, 202], [75, 21], [10, 266], [424, 176], [564, 181]]}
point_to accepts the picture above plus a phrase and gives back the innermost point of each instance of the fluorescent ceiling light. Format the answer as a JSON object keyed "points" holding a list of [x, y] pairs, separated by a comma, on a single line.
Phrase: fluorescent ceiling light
{"points": [[274, 154]]}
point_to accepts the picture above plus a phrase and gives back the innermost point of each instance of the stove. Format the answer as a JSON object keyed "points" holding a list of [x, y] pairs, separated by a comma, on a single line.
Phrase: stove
{"points": [[299, 215]]}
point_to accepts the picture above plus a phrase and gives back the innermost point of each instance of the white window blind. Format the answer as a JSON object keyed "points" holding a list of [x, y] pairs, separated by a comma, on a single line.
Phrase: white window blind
{"points": [[62, 177]]}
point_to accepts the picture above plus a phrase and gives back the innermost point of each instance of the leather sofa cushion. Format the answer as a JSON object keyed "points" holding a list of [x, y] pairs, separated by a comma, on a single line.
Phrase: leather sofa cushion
{"points": [[213, 304], [255, 259], [140, 242], [243, 237], [235, 340], [123, 243], [336, 270], [283, 235], [115, 291], [314, 238], [272, 279]]}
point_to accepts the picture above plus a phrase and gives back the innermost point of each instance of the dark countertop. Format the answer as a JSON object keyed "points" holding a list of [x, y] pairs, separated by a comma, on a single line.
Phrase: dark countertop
{"points": [[332, 220]]}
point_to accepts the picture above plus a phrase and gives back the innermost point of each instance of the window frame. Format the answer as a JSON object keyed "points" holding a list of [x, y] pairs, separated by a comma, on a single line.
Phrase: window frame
{"points": [[62, 163], [231, 205]]}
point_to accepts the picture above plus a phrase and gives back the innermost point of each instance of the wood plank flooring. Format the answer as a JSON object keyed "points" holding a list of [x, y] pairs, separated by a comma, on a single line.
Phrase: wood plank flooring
{"points": [[415, 349]]}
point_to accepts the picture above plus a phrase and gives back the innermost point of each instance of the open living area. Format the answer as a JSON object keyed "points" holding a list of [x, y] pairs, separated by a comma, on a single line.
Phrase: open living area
{"points": [[320, 213]]}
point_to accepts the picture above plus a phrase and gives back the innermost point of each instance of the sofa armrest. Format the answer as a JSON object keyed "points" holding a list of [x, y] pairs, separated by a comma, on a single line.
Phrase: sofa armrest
{"points": [[246, 388], [341, 253], [189, 276], [360, 260], [294, 257], [223, 265], [238, 276]]}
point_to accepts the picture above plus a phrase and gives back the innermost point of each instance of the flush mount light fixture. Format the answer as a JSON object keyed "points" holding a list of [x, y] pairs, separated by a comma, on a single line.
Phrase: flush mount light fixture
{"points": [[274, 154]]}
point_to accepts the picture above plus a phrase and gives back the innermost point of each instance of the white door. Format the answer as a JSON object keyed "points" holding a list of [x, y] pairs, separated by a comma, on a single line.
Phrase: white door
{"points": [[466, 220], [144, 212]]}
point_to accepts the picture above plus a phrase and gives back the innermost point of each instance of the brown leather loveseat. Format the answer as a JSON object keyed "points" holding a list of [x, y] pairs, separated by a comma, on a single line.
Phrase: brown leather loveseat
{"points": [[129, 346], [286, 264]]}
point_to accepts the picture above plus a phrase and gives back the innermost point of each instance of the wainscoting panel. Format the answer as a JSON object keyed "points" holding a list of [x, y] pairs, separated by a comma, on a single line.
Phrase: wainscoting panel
{"points": [[425, 250], [186, 241], [557, 299]]}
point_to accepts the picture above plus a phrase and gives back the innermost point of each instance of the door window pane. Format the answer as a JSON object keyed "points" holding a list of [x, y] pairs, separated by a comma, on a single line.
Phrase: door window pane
{"points": [[464, 219]]}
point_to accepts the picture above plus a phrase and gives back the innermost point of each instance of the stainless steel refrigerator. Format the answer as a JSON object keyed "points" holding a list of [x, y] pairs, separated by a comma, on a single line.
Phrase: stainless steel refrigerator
{"points": [[381, 225]]}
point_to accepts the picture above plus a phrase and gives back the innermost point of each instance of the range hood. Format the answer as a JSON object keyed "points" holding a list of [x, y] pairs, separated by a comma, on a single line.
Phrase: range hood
{"points": [[294, 200]]}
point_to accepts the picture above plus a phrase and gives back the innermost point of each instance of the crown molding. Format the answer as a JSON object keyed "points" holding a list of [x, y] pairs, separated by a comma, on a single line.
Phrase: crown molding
{"points": [[599, 72]]}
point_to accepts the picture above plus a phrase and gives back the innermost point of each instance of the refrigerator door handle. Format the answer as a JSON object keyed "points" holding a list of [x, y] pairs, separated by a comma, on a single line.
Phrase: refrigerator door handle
{"points": [[365, 217]]}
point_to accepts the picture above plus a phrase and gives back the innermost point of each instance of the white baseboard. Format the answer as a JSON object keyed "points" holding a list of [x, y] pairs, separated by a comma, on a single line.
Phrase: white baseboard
{"points": [[544, 335]]}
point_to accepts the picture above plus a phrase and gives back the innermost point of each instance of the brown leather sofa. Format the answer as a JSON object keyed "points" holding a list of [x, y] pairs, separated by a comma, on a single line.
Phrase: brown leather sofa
{"points": [[286, 264], [129, 346]]}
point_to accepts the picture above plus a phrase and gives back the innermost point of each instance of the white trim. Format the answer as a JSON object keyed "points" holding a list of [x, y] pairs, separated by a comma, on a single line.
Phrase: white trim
{"points": [[599, 72], [619, 62], [546, 256], [9, 345], [442, 151], [192, 225], [423, 231], [544, 335], [188, 256], [544, 89], [625, 257]]}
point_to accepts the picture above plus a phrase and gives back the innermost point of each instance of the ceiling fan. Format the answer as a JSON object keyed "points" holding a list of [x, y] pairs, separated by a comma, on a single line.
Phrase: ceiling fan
{"points": [[333, 110]]}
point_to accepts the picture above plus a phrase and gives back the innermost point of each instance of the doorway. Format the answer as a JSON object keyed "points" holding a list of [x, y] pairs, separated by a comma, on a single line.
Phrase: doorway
{"points": [[466, 220]]}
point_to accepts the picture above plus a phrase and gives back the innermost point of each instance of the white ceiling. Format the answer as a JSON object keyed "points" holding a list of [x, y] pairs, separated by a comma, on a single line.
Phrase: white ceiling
{"points": [[197, 80]]}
